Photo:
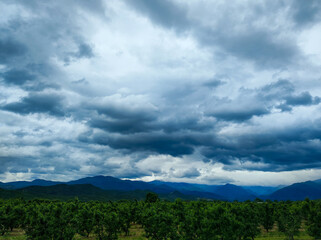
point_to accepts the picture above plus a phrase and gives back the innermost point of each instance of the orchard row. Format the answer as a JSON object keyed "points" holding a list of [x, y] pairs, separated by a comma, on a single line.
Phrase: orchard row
{"points": [[179, 220]]}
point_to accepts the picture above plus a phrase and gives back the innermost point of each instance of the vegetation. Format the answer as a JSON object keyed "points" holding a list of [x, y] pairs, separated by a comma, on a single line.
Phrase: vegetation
{"points": [[159, 220]]}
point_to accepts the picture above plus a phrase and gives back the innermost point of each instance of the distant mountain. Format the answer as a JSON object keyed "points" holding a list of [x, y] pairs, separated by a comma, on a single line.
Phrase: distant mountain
{"points": [[180, 186], [169, 190], [190, 191], [199, 190], [22, 184], [232, 192], [229, 191], [261, 190], [297, 191], [204, 195], [111, 183], [84, 192], [318, 181]]}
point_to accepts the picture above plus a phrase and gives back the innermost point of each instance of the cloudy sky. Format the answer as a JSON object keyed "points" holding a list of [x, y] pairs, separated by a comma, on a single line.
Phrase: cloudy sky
{"points": [[195, 91]]}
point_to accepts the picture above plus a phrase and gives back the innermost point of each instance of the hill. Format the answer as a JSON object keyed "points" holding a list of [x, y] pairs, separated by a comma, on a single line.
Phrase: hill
{"points": [[23, 184], [118, 189], [232, 192], [111, 183], [84, 192], [297, 191], [318, 181], [189, 191]]}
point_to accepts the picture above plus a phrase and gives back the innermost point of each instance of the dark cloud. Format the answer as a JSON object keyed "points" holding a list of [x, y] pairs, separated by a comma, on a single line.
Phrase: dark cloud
{"points": [[84, 51], [296, 147], [153, 142], [259, 45], [94, 6], [233, 112], [304, 98], [17, 77], [10, 49], [16, 163], [161, 144], [216, 98], [276, 90], [306, 12], [38, 103], [190, 173], [162, 12], [258, 102], [27, 80], [126, 120], [124, 126], [214, 83]]}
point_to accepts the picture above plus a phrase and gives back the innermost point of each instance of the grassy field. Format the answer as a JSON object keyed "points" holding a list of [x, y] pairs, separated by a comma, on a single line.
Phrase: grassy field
{"points": [[137, 233]]}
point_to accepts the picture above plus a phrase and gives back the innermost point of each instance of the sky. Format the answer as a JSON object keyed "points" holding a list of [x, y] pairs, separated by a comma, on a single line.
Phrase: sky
{"points": [[193, 91]]}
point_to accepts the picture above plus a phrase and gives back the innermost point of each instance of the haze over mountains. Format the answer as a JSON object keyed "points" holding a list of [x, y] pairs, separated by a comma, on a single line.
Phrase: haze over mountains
{"points": [[110, 188]]}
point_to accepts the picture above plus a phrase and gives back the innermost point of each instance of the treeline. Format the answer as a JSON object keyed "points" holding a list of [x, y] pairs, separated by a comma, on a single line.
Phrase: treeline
{"points": [[201, 220]]}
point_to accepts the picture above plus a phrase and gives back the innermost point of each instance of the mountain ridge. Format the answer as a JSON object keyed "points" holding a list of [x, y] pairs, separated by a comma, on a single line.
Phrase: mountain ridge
{"points": [[229, 192]]}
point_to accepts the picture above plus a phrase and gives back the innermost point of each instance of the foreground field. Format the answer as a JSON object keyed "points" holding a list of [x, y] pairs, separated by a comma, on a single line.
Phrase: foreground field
{"points": [[159, 220], [138, 233]]}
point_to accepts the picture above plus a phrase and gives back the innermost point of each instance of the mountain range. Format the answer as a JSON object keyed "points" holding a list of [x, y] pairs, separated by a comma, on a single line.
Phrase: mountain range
{"points": [[106, 188]]}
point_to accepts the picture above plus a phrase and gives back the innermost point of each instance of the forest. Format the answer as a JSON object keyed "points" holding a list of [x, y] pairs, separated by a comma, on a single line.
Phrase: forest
{"points": [[157, 219]]}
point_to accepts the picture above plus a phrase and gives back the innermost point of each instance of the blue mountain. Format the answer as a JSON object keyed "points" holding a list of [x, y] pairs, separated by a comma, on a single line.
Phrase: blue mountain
{"points": [[226, 192], [318, 181], [297, 191], [111, 183], [261, 190], [230, 192], [23, 184]]}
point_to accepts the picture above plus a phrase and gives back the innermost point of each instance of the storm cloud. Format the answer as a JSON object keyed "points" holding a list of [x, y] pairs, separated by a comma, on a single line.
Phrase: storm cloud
{"points": [[162, 89]]}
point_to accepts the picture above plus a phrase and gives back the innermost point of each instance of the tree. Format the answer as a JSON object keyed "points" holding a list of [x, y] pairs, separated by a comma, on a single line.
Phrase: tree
{"points": [[151, 197], [107, 224], [248, 217], [53, 220], [267, 215], [289, 220], [314, 221], [159, 222], [85, 219]]}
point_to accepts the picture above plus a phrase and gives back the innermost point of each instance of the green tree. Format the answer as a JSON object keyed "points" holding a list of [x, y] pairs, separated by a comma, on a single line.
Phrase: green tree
{"points": [[85, 219], [247, 216], [107, 224], [151, 197], [159, 222], [314, 221], [267, 215], [289, 219], [51, 220]]}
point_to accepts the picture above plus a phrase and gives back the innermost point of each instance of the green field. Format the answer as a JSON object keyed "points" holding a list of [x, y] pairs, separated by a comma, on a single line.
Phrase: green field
{"points": [[137, 233], [156, 219]]}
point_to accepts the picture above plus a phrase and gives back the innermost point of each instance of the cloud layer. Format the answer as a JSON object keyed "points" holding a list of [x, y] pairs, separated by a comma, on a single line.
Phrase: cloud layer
{"points": [[173, 90]]}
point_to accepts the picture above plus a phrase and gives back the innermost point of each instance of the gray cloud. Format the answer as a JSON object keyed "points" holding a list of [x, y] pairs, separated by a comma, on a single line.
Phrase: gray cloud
{"points": [[304, 98], [164, 13], [261, 101], [98, 87], [295, 147], [259, 45], [17, 77], [155, 143], [306, 12], [10, 49], [84, 51], [38, 103]]}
